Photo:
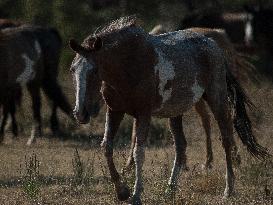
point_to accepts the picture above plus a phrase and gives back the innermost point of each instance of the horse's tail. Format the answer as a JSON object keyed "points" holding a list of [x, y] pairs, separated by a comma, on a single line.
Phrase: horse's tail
{"points": [[54, 92], [52, 50], [241, 121]]}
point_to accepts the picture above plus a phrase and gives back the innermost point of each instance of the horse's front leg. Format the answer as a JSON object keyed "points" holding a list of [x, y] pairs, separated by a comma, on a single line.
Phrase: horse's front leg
{"points": [[130, 160], [112, 123], [34, 90], [54, 123], [218, 102], [13, 119], [142, 124], [180, 151], [4, 122]]}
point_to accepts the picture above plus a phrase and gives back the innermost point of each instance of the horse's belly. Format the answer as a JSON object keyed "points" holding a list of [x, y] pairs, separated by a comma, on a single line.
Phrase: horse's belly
{"points": [[180, 100]]}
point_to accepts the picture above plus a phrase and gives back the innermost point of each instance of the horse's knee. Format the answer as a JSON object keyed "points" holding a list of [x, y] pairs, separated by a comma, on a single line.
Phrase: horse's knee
{"points": [[227, 142], [108, 150]]}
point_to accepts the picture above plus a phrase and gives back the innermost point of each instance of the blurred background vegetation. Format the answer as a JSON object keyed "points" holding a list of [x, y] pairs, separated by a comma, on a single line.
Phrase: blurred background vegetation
{"points": [[79, 18]]}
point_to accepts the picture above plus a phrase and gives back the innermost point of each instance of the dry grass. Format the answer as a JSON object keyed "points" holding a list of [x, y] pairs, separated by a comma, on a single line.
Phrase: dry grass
{"points": [[57, 176], [67, 177]]}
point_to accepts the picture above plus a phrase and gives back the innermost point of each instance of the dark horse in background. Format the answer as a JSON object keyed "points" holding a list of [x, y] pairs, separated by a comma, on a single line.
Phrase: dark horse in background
{"points": [[261, 37], [234, 23], [163, 76], [50, 44], [9, 101]]}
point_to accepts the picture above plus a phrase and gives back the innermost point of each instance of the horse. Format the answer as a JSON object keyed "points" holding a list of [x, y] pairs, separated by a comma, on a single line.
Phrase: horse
{"points": [[162, 76], [9, 70], [234, 23], [48, 43], [11, 101], [240, 68], [260, 34], [7, 23]]}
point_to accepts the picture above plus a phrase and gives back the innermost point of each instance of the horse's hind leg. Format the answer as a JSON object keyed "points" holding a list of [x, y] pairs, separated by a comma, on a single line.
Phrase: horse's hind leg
{"points": [[218, 102], [236, 158], [34, 91], [12, 111], [54, 123], [4, 122], [112, 123], [54, 92], [202, 110], [180, 143]]}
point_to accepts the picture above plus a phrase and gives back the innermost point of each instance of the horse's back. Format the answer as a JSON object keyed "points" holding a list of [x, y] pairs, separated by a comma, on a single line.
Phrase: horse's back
{"points": [[187, 62]]}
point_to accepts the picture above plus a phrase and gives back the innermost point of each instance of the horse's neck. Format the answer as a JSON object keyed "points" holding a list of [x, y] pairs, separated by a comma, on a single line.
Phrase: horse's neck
{"points": [[126, 61]]}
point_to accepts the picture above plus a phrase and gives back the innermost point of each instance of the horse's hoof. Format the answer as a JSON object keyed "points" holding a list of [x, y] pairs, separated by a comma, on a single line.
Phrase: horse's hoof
{"points": [[31, 140], [123, 192], [228, 194], [206, 167], [1, 139], [56, 133], [185, 168], [103, 143], [169, 192], [135, 201]]}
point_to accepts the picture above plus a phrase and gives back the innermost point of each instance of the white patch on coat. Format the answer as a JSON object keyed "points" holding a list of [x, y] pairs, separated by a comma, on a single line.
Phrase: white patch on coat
{"points": [[248, 33], [81, 66], [38, 48], [165, 70], [28, 73], [197, 91], [106, 131]]}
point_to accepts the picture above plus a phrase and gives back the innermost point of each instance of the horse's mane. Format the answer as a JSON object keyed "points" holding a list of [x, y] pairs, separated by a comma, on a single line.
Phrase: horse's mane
{"points": [[119, 24]]}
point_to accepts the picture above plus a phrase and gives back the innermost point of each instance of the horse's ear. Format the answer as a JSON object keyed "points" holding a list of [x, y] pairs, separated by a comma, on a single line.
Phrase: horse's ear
{"points": [[75, 46], [97, 44]]}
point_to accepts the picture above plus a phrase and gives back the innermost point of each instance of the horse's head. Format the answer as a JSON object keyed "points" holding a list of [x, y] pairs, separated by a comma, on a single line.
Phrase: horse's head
{"points": [[261, 24], [87, 81]]}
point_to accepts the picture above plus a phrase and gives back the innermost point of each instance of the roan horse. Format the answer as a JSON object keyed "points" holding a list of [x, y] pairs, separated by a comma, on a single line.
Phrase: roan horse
{"points": [[239, 66], [162, 76], [36, 72]]}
